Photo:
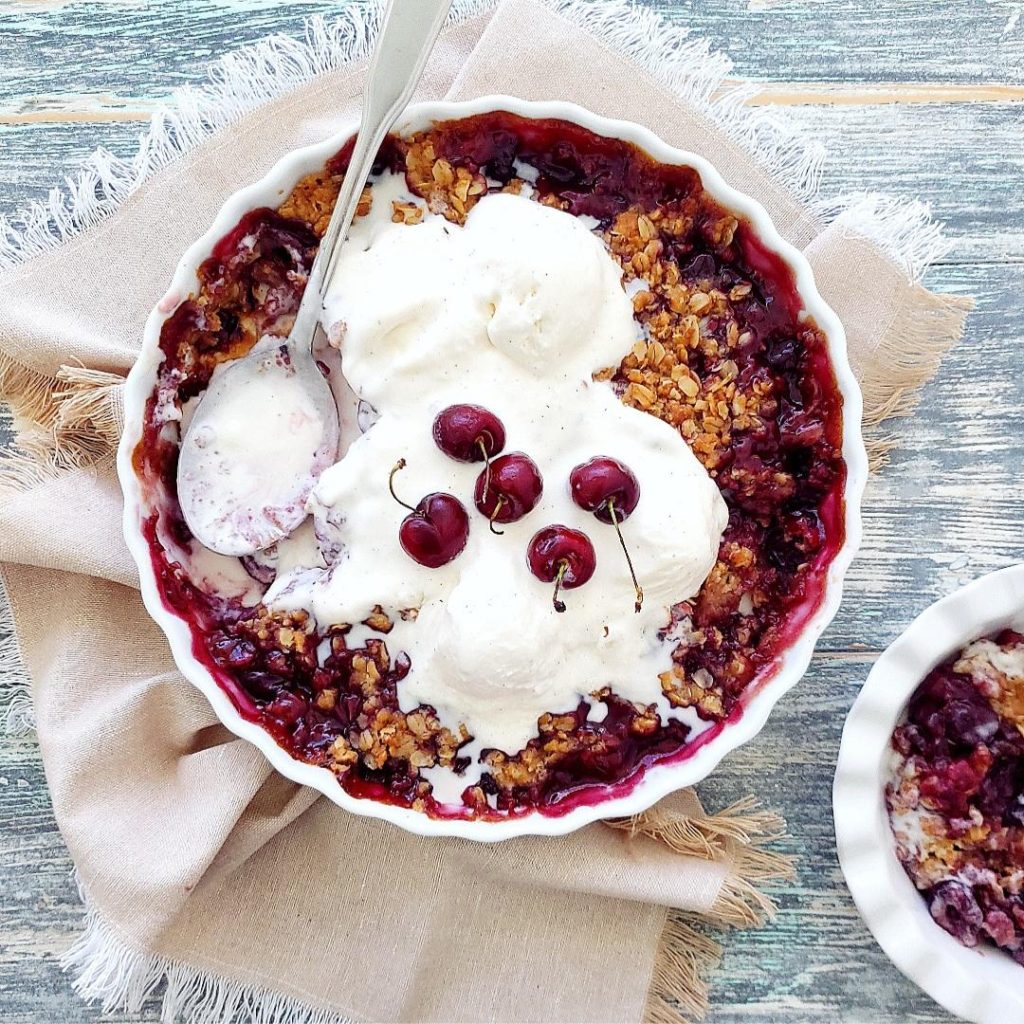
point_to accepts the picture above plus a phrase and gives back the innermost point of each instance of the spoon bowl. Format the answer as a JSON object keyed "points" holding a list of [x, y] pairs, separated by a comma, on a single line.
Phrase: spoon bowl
{"points": [[235, 440]]}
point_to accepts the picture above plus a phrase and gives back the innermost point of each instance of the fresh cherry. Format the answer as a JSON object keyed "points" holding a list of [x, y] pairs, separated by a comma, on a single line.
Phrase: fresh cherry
{"points": [[560, 555], [603, 480], [610, 490], [436, 530], [469, 433], [508, 488]]}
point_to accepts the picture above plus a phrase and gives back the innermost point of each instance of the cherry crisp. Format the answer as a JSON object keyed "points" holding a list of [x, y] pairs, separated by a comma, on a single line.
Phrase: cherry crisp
{"points": [[730, 359], [956, 793]]}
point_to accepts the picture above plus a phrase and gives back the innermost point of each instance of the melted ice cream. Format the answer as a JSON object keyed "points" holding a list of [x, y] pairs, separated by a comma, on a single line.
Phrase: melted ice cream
{"points": [[514, 311]]}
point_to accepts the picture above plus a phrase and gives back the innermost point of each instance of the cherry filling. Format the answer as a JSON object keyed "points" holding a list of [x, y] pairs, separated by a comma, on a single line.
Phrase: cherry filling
{"points": [[730, 363]]}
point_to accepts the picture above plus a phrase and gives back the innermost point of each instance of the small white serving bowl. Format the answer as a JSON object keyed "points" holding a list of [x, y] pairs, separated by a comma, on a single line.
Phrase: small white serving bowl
{"points": [[658, 781], [983, 984]]}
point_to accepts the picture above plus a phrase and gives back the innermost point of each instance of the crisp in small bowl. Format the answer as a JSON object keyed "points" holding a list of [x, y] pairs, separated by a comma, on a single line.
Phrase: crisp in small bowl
{"points": [[980, 984]]}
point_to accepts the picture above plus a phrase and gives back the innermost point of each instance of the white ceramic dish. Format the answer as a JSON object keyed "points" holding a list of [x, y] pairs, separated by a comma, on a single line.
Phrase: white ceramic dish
{"points": [[983, 984], [658, 781]]}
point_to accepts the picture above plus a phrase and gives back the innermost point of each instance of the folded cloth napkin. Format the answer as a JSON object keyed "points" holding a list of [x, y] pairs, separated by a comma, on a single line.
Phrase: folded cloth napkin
{"points": [[200, 867]]}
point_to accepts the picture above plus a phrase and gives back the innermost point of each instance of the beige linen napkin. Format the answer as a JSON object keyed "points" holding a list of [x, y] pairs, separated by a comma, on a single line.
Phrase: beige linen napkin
{"points": [[199, 865]]}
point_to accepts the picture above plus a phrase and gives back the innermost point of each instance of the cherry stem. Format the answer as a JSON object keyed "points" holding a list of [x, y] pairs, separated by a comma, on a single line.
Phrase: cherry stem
{"points": [[487, 462], [563, 568], [629, 561], [400, 464], [494, 515]]}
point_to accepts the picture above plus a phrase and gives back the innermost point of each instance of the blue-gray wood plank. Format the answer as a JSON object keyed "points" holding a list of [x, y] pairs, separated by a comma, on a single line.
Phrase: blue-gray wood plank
{"points": [[917, 97]]}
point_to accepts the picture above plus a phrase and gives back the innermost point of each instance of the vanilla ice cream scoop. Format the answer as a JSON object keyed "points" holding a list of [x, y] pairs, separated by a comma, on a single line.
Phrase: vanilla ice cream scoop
{"points": [[495, 673], [412, 303], [540, 273]]}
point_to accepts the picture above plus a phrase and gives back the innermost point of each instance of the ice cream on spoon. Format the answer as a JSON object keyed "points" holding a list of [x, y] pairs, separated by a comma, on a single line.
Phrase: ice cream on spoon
{"points": [[268, 424]]}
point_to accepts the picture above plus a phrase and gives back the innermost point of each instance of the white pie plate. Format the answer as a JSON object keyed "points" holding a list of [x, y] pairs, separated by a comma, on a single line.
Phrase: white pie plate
{"points": [[983, 985], [658, 781]]}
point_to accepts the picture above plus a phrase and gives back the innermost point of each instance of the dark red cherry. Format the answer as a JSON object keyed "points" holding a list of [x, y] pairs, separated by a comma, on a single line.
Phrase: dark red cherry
{"points": [[436, 530], [508, 488], [601, 480], [560, 555], [469, 433], [610, 490]]}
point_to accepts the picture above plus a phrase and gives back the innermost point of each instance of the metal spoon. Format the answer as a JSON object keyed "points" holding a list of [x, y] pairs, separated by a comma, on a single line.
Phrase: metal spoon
{"points": [[236, 499]]}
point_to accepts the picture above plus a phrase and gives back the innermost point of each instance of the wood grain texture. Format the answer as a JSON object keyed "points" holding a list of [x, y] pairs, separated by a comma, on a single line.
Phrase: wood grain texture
{"points": [[137, 49], [909, 100], [97, 108], [966, 161]]}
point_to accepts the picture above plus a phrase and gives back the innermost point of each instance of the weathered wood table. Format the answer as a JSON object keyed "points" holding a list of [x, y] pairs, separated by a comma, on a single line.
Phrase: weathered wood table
{"points": [[915, 97]]}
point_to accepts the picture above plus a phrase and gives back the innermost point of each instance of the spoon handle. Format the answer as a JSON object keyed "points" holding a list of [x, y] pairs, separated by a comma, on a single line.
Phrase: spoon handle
{"points": [[403, 45]]}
